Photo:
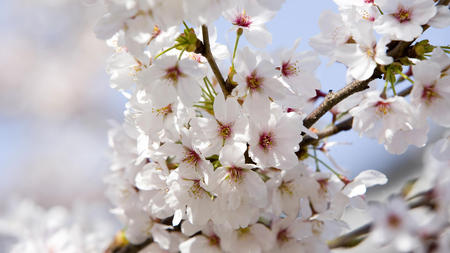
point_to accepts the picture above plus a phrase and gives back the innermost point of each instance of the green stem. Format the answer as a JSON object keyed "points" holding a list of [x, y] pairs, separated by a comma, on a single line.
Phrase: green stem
{"points": [[326, 165], [379, 9], [185, 25], [165, 51], [316, 160], [238, 35], [405, 76], [181, 54]]}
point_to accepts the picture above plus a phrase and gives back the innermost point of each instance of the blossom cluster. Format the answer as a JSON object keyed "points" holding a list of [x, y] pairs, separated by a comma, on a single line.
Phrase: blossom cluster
{"points": [[204, 163], [26, 227]]}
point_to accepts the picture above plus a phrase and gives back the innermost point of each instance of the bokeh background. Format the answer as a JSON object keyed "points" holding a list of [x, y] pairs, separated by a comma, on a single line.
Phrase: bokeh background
{"points": [[56, 105]]}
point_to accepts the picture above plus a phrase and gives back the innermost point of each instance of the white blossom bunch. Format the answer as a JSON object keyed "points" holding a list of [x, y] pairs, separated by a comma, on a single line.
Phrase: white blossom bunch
{"points": [[26, 227], [215, 151]]}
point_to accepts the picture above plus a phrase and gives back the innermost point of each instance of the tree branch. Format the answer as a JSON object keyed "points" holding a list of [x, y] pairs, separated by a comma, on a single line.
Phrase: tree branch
{"points": [[341, 126], [329, 131], [333, 99], [205, 50]]}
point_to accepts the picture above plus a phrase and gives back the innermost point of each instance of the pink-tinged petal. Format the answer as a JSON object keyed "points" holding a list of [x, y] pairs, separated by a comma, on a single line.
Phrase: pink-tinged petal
{"points": [[426, 72], [258, 36], [442, 18], [220, 109]]}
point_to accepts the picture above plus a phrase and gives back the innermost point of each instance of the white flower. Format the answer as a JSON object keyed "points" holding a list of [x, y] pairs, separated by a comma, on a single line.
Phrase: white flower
{"points": [[122, 68], [228, 127], [254, 238], [189, 196], [257, 76], [355, 11], [271, 5], [441, 149], [393, 223], [403, 19], [183, 75], [286, 189], [201, 12], [297, 70], [139, 227], [390, 121], [274, 135], [442, 17], [241, 192], [152, 179], [431, 93], [334, 32], [207, 242], [288, 234], [365, 179], [251, 18], [362, 57], [114, 19]]}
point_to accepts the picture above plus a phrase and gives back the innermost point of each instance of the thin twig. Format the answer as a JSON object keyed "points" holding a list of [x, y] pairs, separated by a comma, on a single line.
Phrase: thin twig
{"points": [[329, 131], [206, 52]]}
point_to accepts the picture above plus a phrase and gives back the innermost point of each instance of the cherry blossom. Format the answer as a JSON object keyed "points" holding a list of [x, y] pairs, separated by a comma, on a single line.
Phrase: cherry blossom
{"points": [[402, 19]]}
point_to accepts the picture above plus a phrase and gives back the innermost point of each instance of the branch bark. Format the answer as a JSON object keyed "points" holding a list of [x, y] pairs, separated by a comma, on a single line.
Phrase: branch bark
{"points": [[341, 126], [333, 99], [205, 50]]}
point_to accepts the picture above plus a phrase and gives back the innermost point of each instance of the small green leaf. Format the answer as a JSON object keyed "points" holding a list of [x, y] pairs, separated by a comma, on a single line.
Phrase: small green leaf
{"points": [[408, 186]]}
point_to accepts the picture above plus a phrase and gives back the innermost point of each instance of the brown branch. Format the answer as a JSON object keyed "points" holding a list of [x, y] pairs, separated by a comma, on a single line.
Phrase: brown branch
{"points": [[397, 49], [341, 126], [205, 50], [329, 131], [333, 99]]}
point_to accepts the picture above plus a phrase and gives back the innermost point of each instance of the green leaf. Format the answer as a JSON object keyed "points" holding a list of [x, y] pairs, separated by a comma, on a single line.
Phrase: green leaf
{"points": [[408, 186]]}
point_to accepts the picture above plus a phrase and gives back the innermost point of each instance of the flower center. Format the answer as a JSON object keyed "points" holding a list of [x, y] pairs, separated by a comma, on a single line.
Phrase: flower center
{"points": [[164, 111], [289, 69], [214, 240], [393, 220], [191, 157], [235, 174], [173, 74], [266, 141], [402, 15], [243, 231], [224, 131], [383, 108], [283, 236], [429, 94], [156, 32], [242, 20], [196, 190], [286, 188], [253, 82], [366, 15]]}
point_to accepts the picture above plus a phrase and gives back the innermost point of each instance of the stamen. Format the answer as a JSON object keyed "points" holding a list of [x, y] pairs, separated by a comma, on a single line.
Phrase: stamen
{"points": [[383, 108], [266, 141], [242, 20]]}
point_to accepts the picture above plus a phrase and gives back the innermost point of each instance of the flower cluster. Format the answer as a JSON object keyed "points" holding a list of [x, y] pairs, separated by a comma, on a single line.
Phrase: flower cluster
{"points": [[204, 163], [26, 227]]}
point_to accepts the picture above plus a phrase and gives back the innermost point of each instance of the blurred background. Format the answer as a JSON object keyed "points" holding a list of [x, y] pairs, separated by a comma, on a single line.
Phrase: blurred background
{"points": [[56, 104]]}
